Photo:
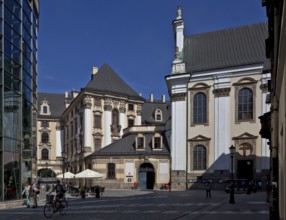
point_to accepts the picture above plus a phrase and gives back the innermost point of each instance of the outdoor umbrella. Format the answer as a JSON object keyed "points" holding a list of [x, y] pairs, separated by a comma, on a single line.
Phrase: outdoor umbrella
{"points": [[88, 174], [67, 175]]}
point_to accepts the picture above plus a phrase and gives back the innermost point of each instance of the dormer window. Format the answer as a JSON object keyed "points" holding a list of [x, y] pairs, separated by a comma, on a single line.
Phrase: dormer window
{"points": [[157, 142], [45, 108], [140, 142], [158, 115]]}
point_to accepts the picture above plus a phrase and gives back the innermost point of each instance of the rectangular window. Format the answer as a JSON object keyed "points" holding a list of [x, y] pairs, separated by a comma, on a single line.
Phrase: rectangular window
{"points": [[140, 142], [130, 122], [111, 171], [75, 126], [97, 121], [97, 102], [97, 143], [157, 142], [130, 107]]}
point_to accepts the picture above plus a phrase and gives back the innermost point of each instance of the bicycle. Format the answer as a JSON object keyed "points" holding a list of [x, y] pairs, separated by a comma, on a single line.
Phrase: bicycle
{"points": [[52, 207]]}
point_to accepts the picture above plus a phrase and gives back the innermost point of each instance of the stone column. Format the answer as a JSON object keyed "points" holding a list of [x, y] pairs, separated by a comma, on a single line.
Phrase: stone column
{"points": [[59, 140], [122, 116], [87, 122], [107, 121], [222, 127]]}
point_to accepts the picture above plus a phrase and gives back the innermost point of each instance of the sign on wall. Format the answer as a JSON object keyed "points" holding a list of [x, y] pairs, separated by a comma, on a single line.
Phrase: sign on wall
{"points": [[164, 171], [129, 169]]}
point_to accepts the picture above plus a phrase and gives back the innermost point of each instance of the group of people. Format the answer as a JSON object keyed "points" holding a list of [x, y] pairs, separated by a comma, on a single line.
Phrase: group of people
{"points": [[31, 192]]}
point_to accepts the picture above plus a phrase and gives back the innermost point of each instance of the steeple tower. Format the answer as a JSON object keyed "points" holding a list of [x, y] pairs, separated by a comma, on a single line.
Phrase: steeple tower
{"points": [[178, 27]]}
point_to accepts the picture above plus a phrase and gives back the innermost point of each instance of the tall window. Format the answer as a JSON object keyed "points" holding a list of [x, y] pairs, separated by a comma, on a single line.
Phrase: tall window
{"points": [[111, 171], [45, 154], [199, 158], [200, 108], [97, 121], [245, 104], [45, 137], [115, 117]]}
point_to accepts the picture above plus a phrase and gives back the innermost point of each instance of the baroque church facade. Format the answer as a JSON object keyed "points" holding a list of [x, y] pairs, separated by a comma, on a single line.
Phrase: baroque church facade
{"points": [[218, 89]]}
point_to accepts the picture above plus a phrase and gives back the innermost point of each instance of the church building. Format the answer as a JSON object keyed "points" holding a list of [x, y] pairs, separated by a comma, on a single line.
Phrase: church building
{"points": [[218, 89]]}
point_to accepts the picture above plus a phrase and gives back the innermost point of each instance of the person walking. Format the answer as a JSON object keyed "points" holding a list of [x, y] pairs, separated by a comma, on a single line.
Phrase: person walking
{"points": [[35, 193], [208, 190], [27, 192]]}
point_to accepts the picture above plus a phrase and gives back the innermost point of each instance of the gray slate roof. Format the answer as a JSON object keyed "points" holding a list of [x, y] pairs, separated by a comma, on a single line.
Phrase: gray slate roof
{"points": [[148, 109], [56, 102], [106, 81], [226, 48], [126, 147]]}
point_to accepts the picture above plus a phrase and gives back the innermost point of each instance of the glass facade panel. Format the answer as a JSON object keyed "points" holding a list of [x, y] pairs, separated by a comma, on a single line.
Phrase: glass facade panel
{"points": [[18, 86], [12, 67]]}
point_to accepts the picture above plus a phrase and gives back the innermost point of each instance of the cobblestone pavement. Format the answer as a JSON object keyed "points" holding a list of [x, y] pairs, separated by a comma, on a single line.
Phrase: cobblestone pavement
{"points": [[133, 204]]}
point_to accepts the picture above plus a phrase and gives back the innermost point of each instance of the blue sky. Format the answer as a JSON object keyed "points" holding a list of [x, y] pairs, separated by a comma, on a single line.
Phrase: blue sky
{"points": [[135, 37]]}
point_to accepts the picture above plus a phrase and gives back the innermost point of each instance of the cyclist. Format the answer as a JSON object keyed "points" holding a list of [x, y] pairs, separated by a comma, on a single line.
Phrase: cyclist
{"points": [[60, 191]]}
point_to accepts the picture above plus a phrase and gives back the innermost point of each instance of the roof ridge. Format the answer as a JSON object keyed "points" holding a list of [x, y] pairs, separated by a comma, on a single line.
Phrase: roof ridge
{"points": [[226, 29]]}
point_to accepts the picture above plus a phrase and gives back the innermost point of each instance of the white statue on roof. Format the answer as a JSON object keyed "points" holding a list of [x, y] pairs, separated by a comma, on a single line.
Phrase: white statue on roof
{"points": [[179, 12]]}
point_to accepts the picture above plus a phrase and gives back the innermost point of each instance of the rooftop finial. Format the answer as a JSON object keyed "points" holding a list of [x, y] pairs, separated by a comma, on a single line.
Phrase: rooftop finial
{"points": [[179, 12]]}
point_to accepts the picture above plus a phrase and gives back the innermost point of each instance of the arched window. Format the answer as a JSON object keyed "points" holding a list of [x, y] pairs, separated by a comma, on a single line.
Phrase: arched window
{"points": [[45, 137], [45, 109], [45, 154], [199, 158], [115, 117], [111, 170], [245, 104], [200, 108], [158, 115]]}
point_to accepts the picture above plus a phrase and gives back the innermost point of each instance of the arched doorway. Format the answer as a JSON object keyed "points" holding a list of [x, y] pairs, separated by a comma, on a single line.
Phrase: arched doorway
{"points": [[146, 176], [46, 173]]}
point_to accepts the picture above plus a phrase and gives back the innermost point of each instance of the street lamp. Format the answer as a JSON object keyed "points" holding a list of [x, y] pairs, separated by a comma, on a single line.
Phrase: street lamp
{"points": [[231, 199], [64, 156]]}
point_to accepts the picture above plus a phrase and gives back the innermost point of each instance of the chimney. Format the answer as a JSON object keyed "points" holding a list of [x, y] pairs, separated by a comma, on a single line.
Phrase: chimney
{"points": [[163, 98], [66, 94], [151, 98], [94, 71]]}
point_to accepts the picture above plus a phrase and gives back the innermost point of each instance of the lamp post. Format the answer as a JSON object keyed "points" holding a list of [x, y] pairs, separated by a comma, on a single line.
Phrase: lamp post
{"points": [[46, 175], [231, 199]]}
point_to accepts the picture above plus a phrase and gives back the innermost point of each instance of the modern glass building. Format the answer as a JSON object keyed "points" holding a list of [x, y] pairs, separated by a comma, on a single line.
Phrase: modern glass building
{"points": [[18, 94]]}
